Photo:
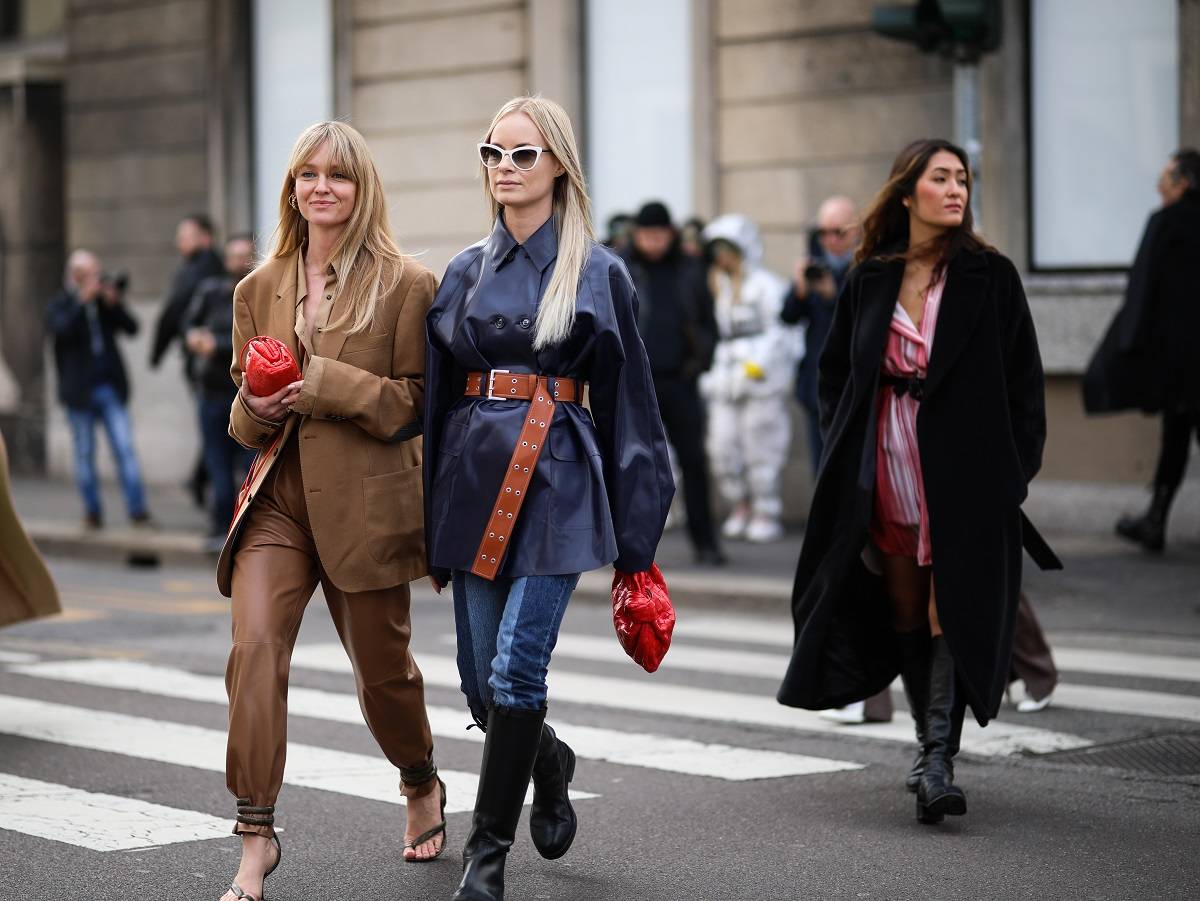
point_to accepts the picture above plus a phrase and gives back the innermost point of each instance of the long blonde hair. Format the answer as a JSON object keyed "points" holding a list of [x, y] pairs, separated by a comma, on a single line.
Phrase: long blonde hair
{"points": [[572, 215], [367, 261]]}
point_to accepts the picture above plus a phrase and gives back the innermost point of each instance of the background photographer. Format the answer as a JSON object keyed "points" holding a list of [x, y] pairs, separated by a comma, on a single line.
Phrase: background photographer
{"points": [[812, 297], [84, 318], [208, 336]]}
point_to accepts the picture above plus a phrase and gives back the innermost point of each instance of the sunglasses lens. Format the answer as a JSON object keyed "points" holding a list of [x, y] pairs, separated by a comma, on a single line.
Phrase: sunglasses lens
{"points": [[490, 156], [525, 158]]}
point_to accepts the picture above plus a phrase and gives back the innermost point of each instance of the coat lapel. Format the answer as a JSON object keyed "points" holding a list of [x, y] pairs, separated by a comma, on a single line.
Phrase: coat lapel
{"points": [[881, 287], [962, 300]]}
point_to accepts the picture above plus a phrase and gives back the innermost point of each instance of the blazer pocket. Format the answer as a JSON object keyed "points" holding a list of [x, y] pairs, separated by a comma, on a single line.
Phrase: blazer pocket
{"points": [[395, 512]]}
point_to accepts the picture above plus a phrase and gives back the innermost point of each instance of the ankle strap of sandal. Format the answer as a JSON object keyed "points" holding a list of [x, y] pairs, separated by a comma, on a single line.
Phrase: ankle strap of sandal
{"points": [[254, 816], [418, 775]]}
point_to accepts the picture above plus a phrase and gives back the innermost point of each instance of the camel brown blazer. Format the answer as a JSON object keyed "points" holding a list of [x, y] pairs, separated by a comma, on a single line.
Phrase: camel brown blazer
{"points": [[26, 589], [359, 424]]}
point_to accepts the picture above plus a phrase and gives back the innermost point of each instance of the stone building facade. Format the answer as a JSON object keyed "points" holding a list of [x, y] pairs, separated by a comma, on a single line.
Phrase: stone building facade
{"points": [[150, 109]]}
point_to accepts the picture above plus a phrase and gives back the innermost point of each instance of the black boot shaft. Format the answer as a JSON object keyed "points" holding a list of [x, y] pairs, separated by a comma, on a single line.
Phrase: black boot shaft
{"points": [[936, 794], [915, 649]]}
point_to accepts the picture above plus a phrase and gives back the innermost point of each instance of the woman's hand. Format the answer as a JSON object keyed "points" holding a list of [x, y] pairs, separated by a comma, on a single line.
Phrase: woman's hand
{"points": [[275, 407]]}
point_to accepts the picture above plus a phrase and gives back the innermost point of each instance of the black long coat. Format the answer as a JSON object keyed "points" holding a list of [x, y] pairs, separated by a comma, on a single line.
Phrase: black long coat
{"points": [[1147, 358], [980, 431]]}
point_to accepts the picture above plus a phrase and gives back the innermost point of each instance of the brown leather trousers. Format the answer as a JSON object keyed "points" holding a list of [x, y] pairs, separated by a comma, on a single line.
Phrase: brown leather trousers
{"points": [[275, 572]]}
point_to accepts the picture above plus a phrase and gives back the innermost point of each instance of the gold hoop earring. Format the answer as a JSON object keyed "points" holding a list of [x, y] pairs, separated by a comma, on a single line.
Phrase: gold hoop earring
{"points": [[292, 201]]}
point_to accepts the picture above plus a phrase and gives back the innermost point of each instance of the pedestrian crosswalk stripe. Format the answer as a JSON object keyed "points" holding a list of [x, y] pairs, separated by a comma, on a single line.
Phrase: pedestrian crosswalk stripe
{"points": [[778, 633], [1133, 702], [680, 657], [1141, 666], [648, 695], [16, 657], [162, 741], [676, 755], [98, 821]]}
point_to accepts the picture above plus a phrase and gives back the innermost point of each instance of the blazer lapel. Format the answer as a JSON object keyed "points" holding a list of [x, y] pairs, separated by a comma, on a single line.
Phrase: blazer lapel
{"points": [[332, 339], [962, 300], [283, 311]]}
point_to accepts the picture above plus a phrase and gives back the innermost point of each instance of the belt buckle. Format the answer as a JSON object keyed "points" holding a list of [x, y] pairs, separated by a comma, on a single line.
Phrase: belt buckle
{"points": [[491, 385]]}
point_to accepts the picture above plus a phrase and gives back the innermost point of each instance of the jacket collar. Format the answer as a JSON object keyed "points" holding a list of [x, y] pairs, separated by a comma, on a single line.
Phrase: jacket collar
{"points": [[542, 245]]}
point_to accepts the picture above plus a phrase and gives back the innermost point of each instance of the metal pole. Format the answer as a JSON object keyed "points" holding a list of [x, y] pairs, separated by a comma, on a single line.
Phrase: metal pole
{"points": [[966, 123]]}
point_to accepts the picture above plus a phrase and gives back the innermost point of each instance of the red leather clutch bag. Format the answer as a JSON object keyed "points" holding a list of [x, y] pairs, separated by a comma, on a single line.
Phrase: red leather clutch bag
{"points": [[268, 365], [643, 616]]}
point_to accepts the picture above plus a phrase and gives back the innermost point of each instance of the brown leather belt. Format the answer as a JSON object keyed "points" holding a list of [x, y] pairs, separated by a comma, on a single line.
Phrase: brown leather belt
{"points": [[542, 392]]}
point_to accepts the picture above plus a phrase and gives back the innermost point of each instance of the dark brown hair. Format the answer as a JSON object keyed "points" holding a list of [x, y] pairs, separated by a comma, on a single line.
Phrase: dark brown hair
{"points": [[885, 226]]}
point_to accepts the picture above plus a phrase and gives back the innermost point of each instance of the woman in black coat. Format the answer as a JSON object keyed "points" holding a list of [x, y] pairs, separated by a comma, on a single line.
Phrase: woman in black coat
{"points": [[932, 594]]}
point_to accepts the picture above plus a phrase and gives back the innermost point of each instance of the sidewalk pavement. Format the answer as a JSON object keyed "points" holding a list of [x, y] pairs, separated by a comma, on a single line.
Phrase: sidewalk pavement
{"points": [[1076, 518]]}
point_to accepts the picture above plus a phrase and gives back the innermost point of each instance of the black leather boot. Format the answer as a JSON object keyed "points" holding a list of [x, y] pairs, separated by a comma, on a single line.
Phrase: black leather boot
{"points": [[914, 673], [1150, 529], [552, 820], [512, 742], [937, 795]]}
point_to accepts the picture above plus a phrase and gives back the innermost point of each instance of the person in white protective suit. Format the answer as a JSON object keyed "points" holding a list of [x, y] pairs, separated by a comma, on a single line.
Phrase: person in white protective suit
{"points": [[748, 386]]}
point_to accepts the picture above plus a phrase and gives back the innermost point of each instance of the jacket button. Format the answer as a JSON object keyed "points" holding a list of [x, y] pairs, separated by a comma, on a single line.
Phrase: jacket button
{"points": [[498, 322], [525, 323]]}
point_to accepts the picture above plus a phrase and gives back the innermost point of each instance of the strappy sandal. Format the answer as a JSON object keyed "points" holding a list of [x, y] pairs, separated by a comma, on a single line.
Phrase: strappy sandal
{"points": [[257, 816], [430, 834]]}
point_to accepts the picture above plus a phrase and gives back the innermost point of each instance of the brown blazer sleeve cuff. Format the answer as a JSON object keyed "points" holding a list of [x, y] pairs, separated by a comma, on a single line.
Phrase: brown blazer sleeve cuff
{"points": [[247, 428], [306, 403]]}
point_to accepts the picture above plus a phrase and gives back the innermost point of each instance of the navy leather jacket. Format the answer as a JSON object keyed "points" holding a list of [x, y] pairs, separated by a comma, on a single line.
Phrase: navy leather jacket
{"points": [[601, 489]]}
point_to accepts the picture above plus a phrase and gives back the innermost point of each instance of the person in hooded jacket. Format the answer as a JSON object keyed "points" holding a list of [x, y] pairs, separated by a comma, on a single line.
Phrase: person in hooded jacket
{"points": [[748, 383], [1147, 358], [933, 409], [525, 488]]}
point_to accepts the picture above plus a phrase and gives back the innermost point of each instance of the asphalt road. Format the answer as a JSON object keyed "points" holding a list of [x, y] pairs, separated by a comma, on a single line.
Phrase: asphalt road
{"points": [[699, 786]]}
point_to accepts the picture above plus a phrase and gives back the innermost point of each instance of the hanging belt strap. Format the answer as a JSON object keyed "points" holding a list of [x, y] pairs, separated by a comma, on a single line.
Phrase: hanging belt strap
{"points": [[542, 392]]}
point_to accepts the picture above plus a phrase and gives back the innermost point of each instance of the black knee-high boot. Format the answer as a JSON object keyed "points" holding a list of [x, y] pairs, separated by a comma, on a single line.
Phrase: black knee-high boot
{"points": [[937, 795], [552, 820], [513, 736], [914, 673]]}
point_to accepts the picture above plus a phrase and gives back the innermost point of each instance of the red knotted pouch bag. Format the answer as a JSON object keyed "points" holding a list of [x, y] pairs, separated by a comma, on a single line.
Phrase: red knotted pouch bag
{"points": [[268, 365], [643, 615]]}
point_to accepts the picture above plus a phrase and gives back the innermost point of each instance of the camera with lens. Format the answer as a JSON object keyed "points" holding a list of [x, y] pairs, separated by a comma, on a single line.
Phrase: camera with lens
{"points": [[814, 272], [118, 281]]}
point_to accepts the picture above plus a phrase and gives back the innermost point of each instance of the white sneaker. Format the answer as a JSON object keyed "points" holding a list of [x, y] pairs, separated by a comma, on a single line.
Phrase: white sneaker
{"points": [[1032, 705], [850, 715], [735, 525], [763, 529]]}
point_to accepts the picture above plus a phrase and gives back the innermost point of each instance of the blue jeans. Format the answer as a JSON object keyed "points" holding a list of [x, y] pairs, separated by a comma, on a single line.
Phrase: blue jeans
{"points": [[106, 406], [223, 457], [507, 630]]}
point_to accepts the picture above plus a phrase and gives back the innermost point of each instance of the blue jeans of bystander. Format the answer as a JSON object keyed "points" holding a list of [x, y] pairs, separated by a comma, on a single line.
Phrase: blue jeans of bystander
{"points": [[106, 406]]}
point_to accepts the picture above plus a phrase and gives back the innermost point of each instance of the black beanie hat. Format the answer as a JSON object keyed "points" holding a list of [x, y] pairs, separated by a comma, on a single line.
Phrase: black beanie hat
{"points": [[653, 214]]}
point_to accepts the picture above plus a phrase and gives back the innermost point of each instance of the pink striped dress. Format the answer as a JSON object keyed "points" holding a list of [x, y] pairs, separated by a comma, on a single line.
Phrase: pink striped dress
{"points": [[900, 525]]}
